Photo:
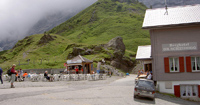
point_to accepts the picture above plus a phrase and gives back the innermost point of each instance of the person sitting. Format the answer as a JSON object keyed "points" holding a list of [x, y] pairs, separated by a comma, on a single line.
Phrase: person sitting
{"points": [[149, 76], [142, 72], [19, 76], [147, 72], [21, 73], [24, 75], [138, 74], [46, 75], [16, 76]]}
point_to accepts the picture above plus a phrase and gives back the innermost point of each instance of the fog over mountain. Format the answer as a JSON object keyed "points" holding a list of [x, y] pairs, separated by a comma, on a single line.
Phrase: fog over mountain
{"points": [[19, 19], [25, 17]]}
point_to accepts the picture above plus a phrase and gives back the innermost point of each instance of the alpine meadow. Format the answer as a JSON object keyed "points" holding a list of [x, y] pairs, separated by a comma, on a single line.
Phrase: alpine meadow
{"points": [[94, 26]]}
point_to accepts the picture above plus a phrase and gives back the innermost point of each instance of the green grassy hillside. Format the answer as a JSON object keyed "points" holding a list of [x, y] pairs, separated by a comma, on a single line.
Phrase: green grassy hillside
{"points": [[52, 54], [105, 20], [95, 25]]}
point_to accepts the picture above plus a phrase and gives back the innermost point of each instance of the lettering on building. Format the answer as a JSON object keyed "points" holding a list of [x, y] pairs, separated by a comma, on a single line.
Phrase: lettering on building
{"points": [[179, 46]]}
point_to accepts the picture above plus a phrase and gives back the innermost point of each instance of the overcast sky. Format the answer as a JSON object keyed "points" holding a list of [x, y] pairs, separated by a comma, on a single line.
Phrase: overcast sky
{"points": [[18, 16]]}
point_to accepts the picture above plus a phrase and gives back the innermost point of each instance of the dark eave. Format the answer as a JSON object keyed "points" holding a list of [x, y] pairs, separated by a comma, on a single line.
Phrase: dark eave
{"points": [[173, 25], [144, 59]]}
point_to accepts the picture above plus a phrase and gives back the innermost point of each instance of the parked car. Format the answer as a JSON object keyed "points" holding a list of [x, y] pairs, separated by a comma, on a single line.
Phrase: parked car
{"points": [[143, 76], [145, 88]]}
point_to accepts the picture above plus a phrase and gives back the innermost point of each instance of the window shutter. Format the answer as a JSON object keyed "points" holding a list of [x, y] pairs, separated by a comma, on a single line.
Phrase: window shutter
{"points": [[188, 64], [177, 91], [199, 90], [181, 64], [166, 63]]}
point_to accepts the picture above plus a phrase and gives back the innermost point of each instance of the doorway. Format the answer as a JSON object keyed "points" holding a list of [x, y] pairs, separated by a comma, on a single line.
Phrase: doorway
{"points": [[148, 67]]}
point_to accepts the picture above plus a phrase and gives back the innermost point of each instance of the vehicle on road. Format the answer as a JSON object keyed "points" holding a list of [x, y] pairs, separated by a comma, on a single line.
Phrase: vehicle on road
{"points": [[145, 88]]}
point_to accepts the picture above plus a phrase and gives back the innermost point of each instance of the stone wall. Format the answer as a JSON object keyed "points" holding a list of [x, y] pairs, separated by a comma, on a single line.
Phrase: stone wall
{"points": [[39, 71]]}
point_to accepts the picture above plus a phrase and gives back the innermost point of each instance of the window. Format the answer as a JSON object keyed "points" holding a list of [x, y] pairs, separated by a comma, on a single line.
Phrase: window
{"points": [[189, 90], [174, 64], [195, 63]]}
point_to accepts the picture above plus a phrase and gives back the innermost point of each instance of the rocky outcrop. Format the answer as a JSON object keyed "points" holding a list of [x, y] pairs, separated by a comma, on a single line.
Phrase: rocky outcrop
{"points": [[76, 51], [119, 60], [46, 38], [97, 48], [116, 59], [117, 44], [124, 63]]}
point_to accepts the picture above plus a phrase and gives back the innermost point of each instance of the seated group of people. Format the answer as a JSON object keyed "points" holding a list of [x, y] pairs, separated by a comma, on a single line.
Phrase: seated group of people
{"points": [[148, 74], [20, 75]]}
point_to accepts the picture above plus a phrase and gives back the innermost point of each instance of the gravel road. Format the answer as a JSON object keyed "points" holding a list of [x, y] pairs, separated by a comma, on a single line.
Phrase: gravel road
{"points": [[112, 91]]}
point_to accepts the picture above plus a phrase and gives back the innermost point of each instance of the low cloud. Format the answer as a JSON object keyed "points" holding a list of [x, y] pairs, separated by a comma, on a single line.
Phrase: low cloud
{"points": [[17, 17]]}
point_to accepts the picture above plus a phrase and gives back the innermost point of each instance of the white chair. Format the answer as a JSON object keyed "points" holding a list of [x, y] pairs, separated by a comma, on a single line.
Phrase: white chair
{"points": [[67, 77], [104, 76], [80, 77], [6, 77], [96, 77], [74, 77], [60, 77], [89, 77], [55, 76], [35, 78], [44, 79]]}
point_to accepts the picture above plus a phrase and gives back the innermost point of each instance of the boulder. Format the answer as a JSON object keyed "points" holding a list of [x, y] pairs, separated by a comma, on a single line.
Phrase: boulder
{"points": [[97, 48], [45, 39], [118, 55], [117, 44], [89, 52], [125, 64], [77, 51], [115, 63]]}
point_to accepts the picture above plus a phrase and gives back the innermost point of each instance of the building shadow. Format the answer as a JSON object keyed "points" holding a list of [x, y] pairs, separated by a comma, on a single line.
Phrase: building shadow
{"points": [[175, 100], [166, 98]]}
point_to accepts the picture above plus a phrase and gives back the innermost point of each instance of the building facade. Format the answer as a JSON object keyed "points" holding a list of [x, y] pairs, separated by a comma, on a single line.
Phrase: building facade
{"points": [[175, 49], [144, 57]]}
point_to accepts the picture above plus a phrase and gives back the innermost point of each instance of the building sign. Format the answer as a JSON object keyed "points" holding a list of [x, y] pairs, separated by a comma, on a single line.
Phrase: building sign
{"points": [[179, 46]]}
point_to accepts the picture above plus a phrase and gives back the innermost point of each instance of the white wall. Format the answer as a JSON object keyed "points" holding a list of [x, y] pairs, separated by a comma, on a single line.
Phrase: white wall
{"points": [[162, 89]]}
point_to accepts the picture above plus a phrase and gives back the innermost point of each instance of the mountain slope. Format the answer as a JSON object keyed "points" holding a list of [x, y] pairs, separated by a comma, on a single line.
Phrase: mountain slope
{"points": [[105, 20], [95, 25], [48, 23]]}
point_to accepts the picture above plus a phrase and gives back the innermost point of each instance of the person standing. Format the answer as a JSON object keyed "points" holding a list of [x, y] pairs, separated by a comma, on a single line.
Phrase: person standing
{"points": [[13, 73], [76, 70], [1, 71], [82, 70]]}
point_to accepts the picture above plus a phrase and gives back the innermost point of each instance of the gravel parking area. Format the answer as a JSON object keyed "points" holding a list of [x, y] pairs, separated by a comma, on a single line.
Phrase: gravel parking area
{"points": [[112, 91]]}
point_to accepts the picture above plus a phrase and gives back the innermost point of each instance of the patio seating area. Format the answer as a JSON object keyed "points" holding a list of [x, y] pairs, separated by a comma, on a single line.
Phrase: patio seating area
{"points": [[58, 77]]}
